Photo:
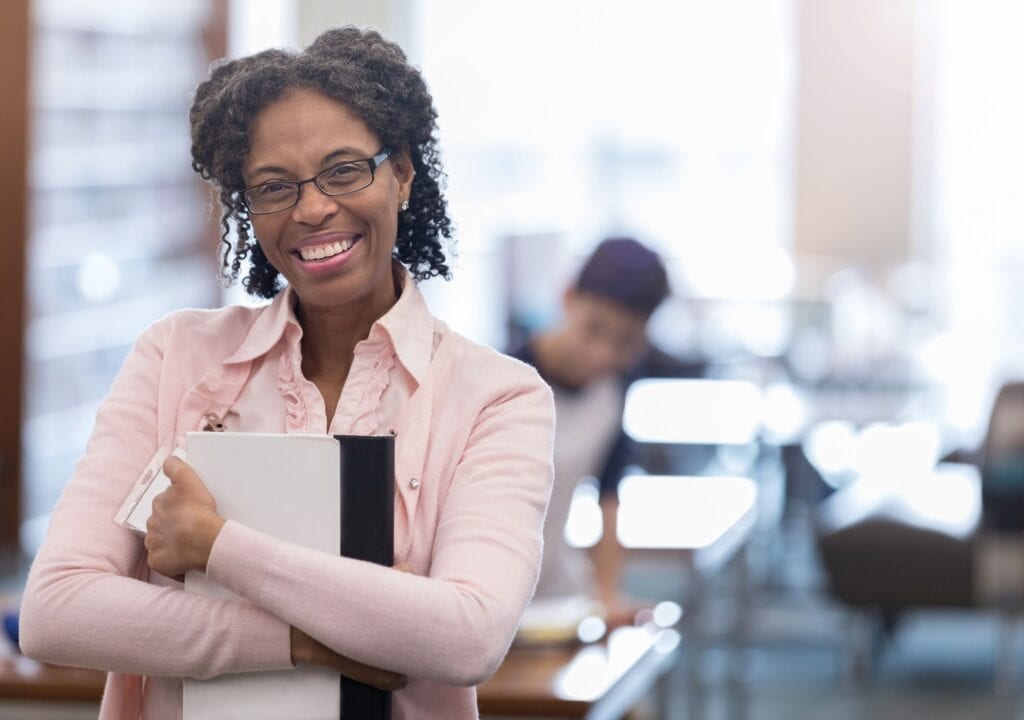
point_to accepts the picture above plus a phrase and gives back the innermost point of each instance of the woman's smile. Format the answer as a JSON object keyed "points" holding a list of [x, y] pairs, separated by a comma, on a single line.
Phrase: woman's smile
{"points": [[326, 252]]}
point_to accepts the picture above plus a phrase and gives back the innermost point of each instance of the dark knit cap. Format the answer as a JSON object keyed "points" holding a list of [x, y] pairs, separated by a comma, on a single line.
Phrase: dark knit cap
{"points": [[626, 272]]}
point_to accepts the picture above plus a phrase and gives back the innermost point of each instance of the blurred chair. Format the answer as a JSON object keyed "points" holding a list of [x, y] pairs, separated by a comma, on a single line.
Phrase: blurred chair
{"points": [[950, 539], [1002, 462]]}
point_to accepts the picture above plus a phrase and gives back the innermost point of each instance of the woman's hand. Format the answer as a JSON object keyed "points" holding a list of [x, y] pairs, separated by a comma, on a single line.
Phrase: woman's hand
{"points": [[184, 524], [307, 650]]}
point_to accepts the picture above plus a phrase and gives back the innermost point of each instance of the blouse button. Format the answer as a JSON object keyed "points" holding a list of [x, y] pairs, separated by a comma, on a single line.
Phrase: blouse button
{"points": [[414, 483]]}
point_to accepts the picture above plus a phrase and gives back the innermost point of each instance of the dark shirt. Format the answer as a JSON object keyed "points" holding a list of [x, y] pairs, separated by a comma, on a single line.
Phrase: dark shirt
{"points": [[623, 451]]}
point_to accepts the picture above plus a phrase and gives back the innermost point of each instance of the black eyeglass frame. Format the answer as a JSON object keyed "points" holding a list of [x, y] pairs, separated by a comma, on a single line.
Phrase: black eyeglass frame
{"points": [[372, 162]]}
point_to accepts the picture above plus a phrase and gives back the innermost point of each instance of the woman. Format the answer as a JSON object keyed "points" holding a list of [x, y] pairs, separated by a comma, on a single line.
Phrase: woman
{"points": [[327, 164]]}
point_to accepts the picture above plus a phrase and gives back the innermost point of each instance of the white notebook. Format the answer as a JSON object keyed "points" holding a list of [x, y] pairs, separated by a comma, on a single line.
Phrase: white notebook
{"points": [[287, 486]]}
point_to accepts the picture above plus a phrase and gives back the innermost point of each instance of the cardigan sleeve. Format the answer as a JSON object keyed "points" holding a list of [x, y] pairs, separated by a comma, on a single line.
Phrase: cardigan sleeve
{"points": [[83, 605], [455, 625]]}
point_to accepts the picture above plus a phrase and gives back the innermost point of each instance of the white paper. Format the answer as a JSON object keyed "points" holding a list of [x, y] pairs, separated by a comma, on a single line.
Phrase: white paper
{"points": [[554, 619], [143, 508], [287, 486]]}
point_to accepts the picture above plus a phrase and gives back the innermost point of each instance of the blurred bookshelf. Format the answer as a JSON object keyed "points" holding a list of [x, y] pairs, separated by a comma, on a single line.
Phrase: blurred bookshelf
{"points": [[120, 229]]}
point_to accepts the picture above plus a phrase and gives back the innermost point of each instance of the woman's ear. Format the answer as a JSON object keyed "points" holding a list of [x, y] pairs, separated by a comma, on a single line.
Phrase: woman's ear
{"points": [[401, 166]]}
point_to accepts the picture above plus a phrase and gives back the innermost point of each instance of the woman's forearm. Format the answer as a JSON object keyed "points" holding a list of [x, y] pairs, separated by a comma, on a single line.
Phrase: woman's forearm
{"points": [[420, 627], [119, 624]]}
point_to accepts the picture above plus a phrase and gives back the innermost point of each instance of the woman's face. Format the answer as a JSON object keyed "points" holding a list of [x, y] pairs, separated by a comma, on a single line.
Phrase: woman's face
{"points": [[294, 138]]}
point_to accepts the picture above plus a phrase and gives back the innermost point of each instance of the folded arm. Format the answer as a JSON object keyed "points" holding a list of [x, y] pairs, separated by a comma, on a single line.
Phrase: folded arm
{"points": [[455, 625], [83, 605]]}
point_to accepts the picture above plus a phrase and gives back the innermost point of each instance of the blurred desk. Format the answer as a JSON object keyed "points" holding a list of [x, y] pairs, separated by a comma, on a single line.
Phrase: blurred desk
{"points": [[701, 524], [597, 681], [24, 679], [593, 681]]}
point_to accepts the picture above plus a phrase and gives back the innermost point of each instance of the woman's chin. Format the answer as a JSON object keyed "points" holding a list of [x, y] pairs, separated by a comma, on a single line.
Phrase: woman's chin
{"points": [[350, 290]]}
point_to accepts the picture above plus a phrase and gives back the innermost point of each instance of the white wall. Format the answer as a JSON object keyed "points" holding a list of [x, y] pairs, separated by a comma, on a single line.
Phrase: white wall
{"points": [[395, 19], [855, 112], [258, 24]]}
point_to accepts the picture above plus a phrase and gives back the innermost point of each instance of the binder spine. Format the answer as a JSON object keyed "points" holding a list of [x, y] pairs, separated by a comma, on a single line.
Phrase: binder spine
{"points": [[367, 533]]}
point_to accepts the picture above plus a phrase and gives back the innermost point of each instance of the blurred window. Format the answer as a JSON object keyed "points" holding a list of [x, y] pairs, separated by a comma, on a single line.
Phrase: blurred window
{"points": [[971, 203], [580, 118]]}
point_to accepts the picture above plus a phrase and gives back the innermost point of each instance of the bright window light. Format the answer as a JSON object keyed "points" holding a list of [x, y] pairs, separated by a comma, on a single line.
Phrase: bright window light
{"points": [[704, 412], [679, 511], [596, 668], [584, 525], [830, 447], [566, 130], [973, 204], [901, 452], [948, 500], [99, 277], [786, 413]]}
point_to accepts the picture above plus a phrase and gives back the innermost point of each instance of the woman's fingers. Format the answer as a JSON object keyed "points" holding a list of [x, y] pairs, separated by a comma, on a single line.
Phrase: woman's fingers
{"points": [[306, 649], [184, 522], [177, 470], [320, 654], [375, 677]]}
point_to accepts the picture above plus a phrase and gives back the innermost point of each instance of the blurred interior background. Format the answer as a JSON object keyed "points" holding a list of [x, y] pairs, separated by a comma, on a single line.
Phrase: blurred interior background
{"points": [[834, 185]]}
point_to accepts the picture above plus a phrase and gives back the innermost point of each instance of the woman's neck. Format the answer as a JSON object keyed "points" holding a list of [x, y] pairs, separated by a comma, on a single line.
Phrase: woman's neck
{"points": [[330, 334]]}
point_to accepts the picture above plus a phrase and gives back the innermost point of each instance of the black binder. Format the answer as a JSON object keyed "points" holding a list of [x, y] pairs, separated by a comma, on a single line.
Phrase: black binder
{"points": [[366, 489], [367, 533]]}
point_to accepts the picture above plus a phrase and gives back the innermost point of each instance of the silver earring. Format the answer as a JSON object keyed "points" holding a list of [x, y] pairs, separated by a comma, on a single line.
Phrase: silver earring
{"points": [[405, 205]]}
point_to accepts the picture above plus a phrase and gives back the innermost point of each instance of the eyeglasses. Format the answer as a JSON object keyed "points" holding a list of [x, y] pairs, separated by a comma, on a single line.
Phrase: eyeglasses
{"points": [[341, 179]]}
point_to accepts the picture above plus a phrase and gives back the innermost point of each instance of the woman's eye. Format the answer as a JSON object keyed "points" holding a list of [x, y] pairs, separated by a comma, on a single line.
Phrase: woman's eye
{"points": [[273, 188], [342, 171]]}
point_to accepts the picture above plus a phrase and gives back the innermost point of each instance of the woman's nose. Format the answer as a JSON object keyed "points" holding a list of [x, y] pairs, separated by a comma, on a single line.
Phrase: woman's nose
{"points": [[313, 206]]}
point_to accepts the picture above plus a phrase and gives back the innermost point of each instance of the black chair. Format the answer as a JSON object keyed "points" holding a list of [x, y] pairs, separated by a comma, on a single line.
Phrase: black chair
{"points": [[882, 559]]}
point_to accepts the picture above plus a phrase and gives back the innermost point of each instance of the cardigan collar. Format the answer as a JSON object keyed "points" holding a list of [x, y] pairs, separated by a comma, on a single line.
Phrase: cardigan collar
{"points": [[407, 325]]}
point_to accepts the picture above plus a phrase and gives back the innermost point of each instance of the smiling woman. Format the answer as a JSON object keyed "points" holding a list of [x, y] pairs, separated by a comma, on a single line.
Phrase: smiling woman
{"points": [[379, 92], [299, 228], [327, 167]]}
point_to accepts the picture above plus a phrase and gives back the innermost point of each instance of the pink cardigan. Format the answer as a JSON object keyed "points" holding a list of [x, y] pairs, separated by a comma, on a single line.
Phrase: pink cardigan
{"points": [[476, 433]]}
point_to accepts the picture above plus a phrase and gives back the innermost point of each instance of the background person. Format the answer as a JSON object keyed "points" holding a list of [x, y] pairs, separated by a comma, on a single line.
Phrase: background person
{"points": [[589, 359]]}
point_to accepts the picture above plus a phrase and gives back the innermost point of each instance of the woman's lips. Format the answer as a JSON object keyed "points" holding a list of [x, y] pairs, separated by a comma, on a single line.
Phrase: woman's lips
{"points": [[327, 254]]}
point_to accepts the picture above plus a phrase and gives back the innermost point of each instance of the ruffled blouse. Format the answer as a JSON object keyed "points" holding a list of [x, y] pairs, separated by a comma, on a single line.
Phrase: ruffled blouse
{"points": [[279, 398]]}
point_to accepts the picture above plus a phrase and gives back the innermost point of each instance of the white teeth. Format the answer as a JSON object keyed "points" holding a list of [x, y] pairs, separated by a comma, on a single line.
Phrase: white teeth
{"points": [[326, 251]]}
